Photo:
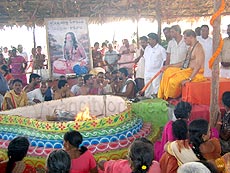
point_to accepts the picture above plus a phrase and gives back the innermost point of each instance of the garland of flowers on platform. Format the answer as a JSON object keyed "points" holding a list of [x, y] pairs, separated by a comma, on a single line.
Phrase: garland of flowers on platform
{"points": [[218, 50]]}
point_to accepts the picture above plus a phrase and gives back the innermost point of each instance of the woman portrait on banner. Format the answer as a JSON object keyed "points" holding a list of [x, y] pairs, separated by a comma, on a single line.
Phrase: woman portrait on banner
{"points": [[73, 54], [73, 50]]}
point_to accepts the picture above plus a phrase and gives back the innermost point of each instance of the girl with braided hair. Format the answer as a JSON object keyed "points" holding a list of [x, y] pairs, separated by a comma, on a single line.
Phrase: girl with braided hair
{"points": [[17, 150], [82, 160]]}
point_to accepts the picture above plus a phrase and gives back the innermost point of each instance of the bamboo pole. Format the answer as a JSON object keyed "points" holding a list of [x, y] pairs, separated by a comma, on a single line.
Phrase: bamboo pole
{"points": [[158, 17], [214, 104]]}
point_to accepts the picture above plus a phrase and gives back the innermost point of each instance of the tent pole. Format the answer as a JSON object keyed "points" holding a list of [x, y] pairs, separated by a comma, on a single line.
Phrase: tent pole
{"points": [[214, 98]]}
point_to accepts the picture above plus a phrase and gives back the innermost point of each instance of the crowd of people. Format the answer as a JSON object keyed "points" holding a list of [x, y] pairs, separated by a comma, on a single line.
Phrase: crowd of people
{"points": [[177, 60], [189, 147]]}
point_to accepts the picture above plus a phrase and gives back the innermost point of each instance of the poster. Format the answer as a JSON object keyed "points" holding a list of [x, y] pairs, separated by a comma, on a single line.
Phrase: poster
{"points": [[68, 46]]}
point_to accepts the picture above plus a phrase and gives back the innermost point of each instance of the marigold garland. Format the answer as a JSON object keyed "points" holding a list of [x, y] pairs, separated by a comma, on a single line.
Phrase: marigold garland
{"points": [[218, 50]]}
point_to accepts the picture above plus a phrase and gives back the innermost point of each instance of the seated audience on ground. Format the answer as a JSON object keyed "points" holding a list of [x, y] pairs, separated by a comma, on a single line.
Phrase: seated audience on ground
{"points": [[38, 95], [15, 98], [76, 88], [58, 161], [17, 150], [197, 147], [225, 124], [34, 81], [82, 159], [127, 85], [181, 111], [177, 75], [140, 160], [63, 90], [168, 161], [3, 88]]}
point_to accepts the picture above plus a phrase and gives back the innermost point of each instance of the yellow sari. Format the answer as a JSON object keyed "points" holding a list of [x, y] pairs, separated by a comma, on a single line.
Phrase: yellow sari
{"points": [[170, 85], [16, 100]]}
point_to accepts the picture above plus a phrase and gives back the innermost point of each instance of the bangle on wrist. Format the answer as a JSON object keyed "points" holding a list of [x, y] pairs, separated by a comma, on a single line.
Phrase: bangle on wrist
{"points": [[190, 79]]}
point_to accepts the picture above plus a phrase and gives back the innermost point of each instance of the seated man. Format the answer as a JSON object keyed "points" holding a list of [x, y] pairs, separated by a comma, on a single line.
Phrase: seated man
{"points": [[127, 85], [38, 95], [15, 98], [63, 90], [34, 80], [176, 75]]}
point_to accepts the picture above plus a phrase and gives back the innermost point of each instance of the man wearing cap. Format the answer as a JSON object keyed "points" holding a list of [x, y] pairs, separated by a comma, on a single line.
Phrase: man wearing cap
{"points": [[192, 69], [154, 56]]}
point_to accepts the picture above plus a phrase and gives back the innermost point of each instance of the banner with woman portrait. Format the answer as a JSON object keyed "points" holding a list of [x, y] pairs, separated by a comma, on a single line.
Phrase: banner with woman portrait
{"points": [[68, 46]]}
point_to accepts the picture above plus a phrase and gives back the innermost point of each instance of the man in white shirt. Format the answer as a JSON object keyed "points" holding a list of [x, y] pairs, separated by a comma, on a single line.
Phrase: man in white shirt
{"points": [[37, 95], [206, 43], [154, 56], [177, 49], [225, 60], [140, 71]]}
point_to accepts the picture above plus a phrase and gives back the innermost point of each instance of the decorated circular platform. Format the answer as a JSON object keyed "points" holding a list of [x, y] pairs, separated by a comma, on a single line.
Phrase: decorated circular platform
{"points": [[107, 136]]}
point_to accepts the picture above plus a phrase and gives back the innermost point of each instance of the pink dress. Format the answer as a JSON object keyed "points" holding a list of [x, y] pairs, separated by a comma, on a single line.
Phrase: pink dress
{"points": [[16, 68], [123, 166], [167, 135], [83, 164], [126, 58]]}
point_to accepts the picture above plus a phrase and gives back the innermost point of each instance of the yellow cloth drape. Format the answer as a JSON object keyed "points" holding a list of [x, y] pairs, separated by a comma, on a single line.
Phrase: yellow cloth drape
{"points": [[170, 85], [16, 100]]}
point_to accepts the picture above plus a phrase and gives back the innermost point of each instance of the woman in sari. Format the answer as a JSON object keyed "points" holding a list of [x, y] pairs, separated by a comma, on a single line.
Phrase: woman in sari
{"points": [[197, 147], [17, 150], [18, 65]]}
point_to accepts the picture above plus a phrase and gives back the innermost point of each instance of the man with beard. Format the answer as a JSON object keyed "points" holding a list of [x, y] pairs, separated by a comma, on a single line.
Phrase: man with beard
{"points": [[15, 98]]}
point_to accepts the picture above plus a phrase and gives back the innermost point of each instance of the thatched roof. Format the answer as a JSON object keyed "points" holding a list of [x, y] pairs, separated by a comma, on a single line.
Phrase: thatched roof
{"points": [[27, 12]]}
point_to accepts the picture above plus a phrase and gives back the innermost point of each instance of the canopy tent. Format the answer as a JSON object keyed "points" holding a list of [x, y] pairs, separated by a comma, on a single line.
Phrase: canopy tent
{"points": [[30, 12]]}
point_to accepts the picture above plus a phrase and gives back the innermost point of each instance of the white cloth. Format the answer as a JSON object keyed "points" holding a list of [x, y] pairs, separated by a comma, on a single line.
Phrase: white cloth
{"points": [[225, 71], [177, 51], [154, 59], [207, 46], [123, 89], [75, 89], [35, 94], [140, 72]]}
